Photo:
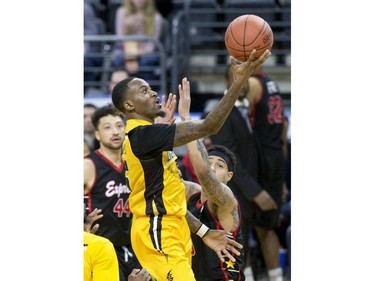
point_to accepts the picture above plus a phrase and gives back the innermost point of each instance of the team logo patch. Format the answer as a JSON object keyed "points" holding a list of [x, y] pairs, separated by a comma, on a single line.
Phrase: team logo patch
{"points": [[170, 276]]}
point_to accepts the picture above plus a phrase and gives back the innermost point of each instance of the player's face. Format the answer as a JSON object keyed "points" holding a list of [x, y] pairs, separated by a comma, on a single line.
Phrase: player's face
{"points": [[220, 168], [111, 132], [145, 101]]}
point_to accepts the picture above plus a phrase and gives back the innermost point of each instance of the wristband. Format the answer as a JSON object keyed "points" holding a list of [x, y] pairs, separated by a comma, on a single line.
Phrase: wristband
{"points": [[203, 229]]}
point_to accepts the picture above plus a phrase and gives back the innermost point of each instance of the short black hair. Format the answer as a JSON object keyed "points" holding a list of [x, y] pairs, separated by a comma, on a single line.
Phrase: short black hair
{"points": [[225, 153], [104, 111], [119, 93], [90, 105]]}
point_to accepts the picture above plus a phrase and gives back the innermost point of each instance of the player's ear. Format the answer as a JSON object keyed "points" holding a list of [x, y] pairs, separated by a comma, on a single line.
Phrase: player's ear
{"points": [[128, 106], [97, 136], [229, 176]]}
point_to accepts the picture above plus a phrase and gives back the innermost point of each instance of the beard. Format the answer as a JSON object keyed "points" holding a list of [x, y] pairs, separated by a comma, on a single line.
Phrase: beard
{"points": [[161, 113], [111, 145]]}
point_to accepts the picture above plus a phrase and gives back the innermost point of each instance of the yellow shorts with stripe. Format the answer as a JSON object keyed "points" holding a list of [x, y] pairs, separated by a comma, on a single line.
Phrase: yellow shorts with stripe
{"points": [[163, 246]]}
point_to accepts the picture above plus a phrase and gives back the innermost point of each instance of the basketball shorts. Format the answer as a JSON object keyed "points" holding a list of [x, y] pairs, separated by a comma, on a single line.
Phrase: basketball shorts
{"points": [[163, 246]]}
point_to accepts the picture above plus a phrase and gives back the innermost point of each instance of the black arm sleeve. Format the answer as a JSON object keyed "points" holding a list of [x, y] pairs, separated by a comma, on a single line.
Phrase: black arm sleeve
{"points": [[153, 139]]}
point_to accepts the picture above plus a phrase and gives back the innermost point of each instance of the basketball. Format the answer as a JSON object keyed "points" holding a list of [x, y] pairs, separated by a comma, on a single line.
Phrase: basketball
{"points": [[248, 32]]}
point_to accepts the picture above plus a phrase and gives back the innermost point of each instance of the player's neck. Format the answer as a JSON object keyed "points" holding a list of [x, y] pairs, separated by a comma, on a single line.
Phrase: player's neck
{"points": [[140, 117], [112, 154]]}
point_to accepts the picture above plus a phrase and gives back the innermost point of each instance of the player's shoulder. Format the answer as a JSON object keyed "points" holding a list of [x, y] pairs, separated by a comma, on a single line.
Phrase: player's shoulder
{"points": [[90, 239], [88, 162]]}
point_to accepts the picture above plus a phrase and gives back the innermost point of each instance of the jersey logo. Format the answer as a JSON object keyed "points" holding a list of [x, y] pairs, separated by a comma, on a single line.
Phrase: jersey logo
{"points": [[275, 109], [272, 87], [113, 188], [170, 276], [230, 264]]}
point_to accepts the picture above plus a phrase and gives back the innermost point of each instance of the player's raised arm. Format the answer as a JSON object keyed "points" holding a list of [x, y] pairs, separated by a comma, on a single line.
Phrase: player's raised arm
{"points": [[192, 130], [217, 192]]}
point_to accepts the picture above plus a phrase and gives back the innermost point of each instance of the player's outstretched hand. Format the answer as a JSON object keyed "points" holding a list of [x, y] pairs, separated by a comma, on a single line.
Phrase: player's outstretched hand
{"points": [[169, 107], [90, 219], [184, 99], [220, 241], [243, 70]]}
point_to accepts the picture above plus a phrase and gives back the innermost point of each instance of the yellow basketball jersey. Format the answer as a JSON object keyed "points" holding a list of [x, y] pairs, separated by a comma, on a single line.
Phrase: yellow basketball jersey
{"points": [[153, 176], [100, 260]]}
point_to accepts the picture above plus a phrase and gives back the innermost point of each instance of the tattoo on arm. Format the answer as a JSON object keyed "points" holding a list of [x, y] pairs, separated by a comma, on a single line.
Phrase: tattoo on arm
{"points": [[193, 222], [188, 131], [236, 217], [191, 188], [210, 183], [203, 152]]}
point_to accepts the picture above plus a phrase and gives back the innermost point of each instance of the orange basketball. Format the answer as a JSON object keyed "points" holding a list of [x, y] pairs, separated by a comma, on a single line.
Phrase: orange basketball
{"points": [[248, 32]]}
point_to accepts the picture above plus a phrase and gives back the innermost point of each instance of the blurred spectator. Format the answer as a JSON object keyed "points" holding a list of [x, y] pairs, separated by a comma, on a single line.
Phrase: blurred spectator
{"points": [[91, 49], [88, 127], [138, 17], [86, 148], [117, 75]]}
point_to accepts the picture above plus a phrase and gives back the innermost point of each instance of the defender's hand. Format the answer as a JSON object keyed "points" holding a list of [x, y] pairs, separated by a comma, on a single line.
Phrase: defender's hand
{"points": [[220, 241]]}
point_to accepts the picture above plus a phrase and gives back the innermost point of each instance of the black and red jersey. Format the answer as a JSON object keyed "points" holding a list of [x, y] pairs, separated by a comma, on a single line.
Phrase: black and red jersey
{"points": [[110, 193], [267, 115], [206, 264]]}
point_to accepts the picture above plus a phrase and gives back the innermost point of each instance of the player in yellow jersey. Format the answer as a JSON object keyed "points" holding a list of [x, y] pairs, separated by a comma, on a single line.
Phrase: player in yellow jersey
{"points": [[99, 256], [100, 260], [160, 232]]}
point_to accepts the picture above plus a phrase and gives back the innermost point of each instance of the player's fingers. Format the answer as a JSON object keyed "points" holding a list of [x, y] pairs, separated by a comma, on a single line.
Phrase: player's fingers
{"points": [[169, 100], [145, 273], [221, 256], [95, 212], [251, 57], [233, 61], [187, 86], [184, 81], [135, 272], [235, 244], [94, 228], [266, 54], [228, 255], [233, 250], [174, 101]]}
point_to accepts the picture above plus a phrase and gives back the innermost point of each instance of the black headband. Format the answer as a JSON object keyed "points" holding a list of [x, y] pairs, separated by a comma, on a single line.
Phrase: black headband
{"points": [[226, 158]]}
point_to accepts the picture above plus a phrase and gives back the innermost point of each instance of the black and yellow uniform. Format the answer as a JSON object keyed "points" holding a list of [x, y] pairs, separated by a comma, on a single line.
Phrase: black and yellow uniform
{"points": [[99, 259], [206, 264], [160, 234]]}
